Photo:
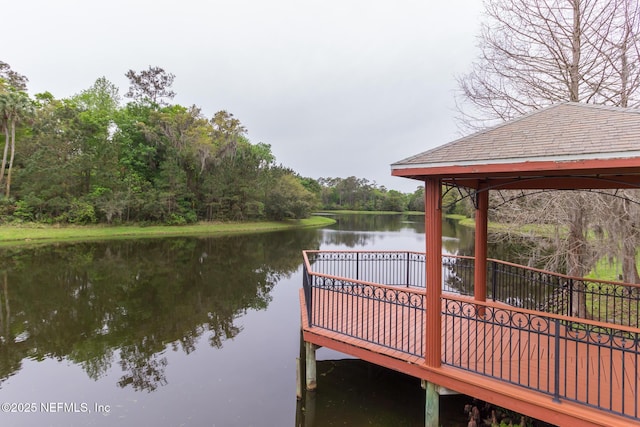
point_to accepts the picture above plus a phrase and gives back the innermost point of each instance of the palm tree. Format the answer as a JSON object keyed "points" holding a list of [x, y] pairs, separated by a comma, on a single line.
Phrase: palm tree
{"points": [[15, 107], [5, 128]]}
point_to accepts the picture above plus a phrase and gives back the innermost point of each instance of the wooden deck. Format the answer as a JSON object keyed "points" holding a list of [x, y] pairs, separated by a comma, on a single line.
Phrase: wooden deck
{"points": [[487, 353]]}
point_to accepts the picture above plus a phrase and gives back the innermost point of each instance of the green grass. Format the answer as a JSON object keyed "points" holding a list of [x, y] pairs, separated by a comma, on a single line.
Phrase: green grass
{"points": [[37, 233], [606, 270], [455, 216], [543, 230]]}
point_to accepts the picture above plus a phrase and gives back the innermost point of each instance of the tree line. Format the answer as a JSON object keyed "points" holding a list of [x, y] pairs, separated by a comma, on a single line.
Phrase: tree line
{"points": [[363, 195], [91, 158]]}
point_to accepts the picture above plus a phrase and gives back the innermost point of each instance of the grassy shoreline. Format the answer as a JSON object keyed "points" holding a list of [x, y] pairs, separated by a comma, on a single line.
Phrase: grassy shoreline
{"points": [[31, 233]]}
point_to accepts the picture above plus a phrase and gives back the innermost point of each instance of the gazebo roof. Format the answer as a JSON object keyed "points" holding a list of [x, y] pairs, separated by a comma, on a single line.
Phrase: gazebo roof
{"points": [[564, 146]]}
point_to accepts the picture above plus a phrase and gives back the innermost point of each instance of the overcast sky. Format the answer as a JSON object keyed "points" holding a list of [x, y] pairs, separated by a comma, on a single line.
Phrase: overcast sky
{"points": [[338, 88]]}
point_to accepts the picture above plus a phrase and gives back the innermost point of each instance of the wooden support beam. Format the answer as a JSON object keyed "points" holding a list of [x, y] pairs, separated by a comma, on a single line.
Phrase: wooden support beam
{"points": [[310, 350], [298, 379], [480, 269], [432, 405], [433, 258]]}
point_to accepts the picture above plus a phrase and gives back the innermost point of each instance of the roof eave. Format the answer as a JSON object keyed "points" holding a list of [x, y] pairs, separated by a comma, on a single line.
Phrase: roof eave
{"points": [[629, 168]]}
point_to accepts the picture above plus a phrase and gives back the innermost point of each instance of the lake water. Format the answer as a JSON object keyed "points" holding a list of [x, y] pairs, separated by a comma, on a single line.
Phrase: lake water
{"points": [[191, 332]]}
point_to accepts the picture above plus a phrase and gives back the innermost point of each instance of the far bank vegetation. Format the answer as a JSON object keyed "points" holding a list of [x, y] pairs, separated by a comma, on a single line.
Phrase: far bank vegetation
{"points": [[93, 158]]}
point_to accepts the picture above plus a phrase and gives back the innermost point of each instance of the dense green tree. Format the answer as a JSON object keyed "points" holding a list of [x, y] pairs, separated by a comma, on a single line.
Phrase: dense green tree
{"points": [[137, 155], [312, 185], [97, 107], [395, 201], [235, 173], [235, 186], [50, 177], [69, 160], [288, 199], [416, 200]]}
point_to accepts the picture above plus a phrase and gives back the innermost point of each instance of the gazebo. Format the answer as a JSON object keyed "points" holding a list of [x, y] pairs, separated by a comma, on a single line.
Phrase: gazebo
{"points": [[567, 146]]}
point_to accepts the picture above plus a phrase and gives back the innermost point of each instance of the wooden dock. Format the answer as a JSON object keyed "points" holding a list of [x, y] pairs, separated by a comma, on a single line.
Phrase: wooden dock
{"points": [[497, 353]]}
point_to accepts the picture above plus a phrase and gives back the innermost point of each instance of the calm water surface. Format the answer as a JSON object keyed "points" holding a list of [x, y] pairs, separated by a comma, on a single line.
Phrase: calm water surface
{"points": [[191, 332]]}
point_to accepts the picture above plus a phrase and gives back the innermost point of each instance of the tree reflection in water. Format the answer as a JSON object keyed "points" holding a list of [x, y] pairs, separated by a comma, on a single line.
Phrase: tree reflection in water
{"points": [[126, 301]]}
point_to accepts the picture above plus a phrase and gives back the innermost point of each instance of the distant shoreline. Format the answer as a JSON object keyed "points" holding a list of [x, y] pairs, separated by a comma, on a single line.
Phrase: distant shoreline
{"points": [[352, 212], [34, 233]]}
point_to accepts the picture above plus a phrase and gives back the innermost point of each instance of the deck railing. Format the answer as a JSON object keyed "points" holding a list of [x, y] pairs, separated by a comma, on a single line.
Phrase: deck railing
{"points": [[389, 316], [523, 335], [534, 289], [395, 268], [586, 362], [516, 285]]}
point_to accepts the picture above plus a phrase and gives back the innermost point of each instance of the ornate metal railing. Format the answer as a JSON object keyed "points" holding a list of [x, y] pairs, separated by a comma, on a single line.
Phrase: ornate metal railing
{"points": [[534, 289], [525, 335], [393, 268], [390, 316], [589, 362], [513, 284]]}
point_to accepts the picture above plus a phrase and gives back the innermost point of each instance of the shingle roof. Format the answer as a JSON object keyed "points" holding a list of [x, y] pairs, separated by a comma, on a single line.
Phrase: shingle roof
{"points": [[562, 132]]}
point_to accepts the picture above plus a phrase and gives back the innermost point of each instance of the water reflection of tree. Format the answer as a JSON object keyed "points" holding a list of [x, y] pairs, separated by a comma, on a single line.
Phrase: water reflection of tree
{"points": [[128, 301], [143, 371], [378, 222], [11, 355]]}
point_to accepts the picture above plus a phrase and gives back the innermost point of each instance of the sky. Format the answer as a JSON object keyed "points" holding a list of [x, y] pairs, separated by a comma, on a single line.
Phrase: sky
{"points": [[337, 88]]}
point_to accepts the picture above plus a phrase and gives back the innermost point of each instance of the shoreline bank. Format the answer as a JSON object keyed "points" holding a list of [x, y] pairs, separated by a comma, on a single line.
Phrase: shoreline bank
{"points": [[32, 233]]}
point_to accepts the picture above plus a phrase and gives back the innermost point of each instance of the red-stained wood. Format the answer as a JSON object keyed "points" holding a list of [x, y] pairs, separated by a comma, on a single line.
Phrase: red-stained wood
{"points": [[588, 173], [477, 346], [480, 268], [433, 261]]}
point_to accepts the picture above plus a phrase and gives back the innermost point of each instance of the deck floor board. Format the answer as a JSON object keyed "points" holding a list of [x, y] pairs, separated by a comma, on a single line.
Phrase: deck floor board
{"points": [[521, 357]]}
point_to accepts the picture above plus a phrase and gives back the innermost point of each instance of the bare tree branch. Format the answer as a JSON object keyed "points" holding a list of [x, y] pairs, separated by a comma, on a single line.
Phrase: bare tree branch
{"points": [[534, 53]]}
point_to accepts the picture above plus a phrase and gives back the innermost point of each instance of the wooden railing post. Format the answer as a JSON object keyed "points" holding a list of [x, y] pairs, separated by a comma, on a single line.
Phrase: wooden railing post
{"points": [[480, 272], [433, 261]]}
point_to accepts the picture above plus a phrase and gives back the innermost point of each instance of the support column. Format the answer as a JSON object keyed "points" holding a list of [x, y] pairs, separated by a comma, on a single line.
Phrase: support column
{"points": [[433, 261], [480, 267], [310, 350], [298, 379], [432, 405]]}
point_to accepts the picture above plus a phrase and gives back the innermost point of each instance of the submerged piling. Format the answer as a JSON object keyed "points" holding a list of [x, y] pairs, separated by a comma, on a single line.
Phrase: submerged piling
{"points": [[432, 405], [310, 350], [298, 380]]}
